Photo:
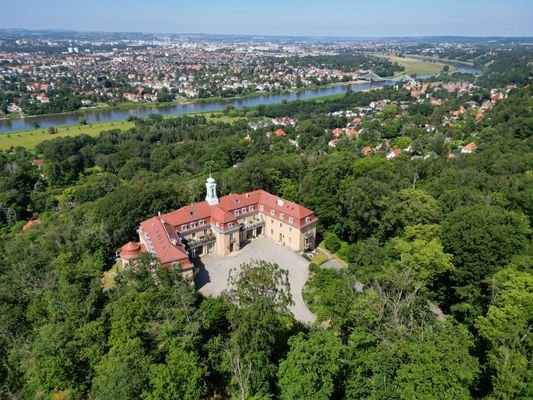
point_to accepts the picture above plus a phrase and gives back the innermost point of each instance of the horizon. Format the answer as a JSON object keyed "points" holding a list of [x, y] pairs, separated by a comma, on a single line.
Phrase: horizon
{"points": [[68, 30], [337, 18]]}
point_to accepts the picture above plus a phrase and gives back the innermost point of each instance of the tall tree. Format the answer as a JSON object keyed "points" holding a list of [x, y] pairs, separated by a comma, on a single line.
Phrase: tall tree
{"points": [[311, 370], [261, 293], [507, 330]]}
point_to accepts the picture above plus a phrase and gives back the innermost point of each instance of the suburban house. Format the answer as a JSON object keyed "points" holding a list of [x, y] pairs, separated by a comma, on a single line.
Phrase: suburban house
{"points": [[222, 226], [469, 148]]}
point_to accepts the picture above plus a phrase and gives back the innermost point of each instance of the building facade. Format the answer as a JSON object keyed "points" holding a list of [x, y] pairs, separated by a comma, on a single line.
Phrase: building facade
{"points": [[222, 226]]}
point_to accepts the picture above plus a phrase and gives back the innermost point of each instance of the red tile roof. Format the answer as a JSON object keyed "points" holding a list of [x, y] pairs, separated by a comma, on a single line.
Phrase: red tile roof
{"points": [[162, 237], [190, 213], [38, 163], [164, 241], [469, 148], [30, 223], [130, 251], [366, 150]]}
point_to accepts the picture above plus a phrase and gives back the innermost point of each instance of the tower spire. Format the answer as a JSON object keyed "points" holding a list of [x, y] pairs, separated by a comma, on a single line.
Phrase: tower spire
{"points": [[211, 189]]}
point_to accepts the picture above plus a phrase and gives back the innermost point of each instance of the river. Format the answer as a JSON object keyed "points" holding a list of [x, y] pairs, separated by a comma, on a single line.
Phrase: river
{"points": [[99, 116]]}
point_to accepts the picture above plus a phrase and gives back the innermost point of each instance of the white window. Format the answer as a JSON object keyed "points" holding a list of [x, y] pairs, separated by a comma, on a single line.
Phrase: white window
{"points": [[251, 208], [291, 220], [193, 225], [281, 216], [201, 222], [280, 225], [308, 219], [272, 212], [184, 227], [230, 224], [261, 208], [237, 212], [243, 210], [290, 229]]}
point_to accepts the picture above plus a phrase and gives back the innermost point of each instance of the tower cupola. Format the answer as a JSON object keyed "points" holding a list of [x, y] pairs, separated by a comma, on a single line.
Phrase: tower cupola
{"points": [[211, 188]]}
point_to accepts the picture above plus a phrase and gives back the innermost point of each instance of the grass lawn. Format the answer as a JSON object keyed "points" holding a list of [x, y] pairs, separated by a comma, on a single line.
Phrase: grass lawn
{"points": [[417, 66], [319, 258], [219, 117], [30, 139], [336, 256]]}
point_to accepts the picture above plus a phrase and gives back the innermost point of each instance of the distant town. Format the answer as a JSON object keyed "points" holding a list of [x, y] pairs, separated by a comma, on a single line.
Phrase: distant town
{"points": [[65, 72]]}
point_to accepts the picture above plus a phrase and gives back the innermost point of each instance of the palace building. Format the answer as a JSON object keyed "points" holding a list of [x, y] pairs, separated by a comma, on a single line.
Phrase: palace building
{"points": [[222, 226]]}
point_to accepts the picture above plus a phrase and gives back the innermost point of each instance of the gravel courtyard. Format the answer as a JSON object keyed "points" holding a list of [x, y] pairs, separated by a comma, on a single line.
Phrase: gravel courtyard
{"points": [[213, 271]]}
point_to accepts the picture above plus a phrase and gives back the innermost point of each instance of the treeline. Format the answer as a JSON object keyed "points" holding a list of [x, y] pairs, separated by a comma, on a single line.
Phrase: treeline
{"points": [[505, 67]]}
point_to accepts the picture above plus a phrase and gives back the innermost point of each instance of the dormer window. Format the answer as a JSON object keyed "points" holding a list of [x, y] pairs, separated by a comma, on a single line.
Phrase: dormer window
{"points": [[201, 222], [281, 216], [237, 213], [261, 208], [230, 224], [243, 210], [193, 225], [291, 220], [184, 227], [272, 212], [251, 208], [308, 219], [237, 201]]}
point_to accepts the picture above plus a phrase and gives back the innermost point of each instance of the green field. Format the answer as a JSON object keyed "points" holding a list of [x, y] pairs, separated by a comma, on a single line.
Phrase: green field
{"points": [[416, 66], [30, 139]]}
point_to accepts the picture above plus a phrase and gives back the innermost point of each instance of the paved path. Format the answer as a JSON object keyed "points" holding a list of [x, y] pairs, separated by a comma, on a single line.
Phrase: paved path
{"points": [[332, 262], [213, 272]]}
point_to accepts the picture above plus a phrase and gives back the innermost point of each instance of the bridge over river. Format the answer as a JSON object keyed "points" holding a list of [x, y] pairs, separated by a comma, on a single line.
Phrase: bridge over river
{"points": [[371, 76]]}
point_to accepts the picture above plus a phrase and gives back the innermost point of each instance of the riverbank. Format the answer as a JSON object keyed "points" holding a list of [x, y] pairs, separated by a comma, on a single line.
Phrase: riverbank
{"points": [[56, 121], [182, 101], [31, 138]]}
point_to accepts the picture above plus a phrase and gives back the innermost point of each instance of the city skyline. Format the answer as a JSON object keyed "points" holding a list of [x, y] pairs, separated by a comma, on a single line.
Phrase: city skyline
{"points": [[337, 18]]}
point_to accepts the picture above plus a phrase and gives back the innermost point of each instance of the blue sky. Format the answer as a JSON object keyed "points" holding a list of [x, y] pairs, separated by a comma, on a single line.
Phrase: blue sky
{"points": [[277, 17]]}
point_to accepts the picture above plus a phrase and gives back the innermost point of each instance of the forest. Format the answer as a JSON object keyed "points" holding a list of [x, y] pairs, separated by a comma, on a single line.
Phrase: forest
{"points": [[436, 300]]}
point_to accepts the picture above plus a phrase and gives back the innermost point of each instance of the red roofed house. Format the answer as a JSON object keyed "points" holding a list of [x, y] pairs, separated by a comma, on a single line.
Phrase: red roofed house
{"points": [[280, 132], [367, 150], [394, 153], [337, 132], [469, 148], [222, 226], [38, 163], [30, 223]]}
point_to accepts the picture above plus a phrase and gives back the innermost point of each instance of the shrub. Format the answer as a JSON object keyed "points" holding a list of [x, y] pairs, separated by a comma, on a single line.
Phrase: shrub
{"points": [[313, 267], [332, 242]]}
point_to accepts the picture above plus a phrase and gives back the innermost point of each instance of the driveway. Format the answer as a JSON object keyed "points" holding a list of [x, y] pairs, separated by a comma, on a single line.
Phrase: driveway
{"points": [[213, 271]]}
